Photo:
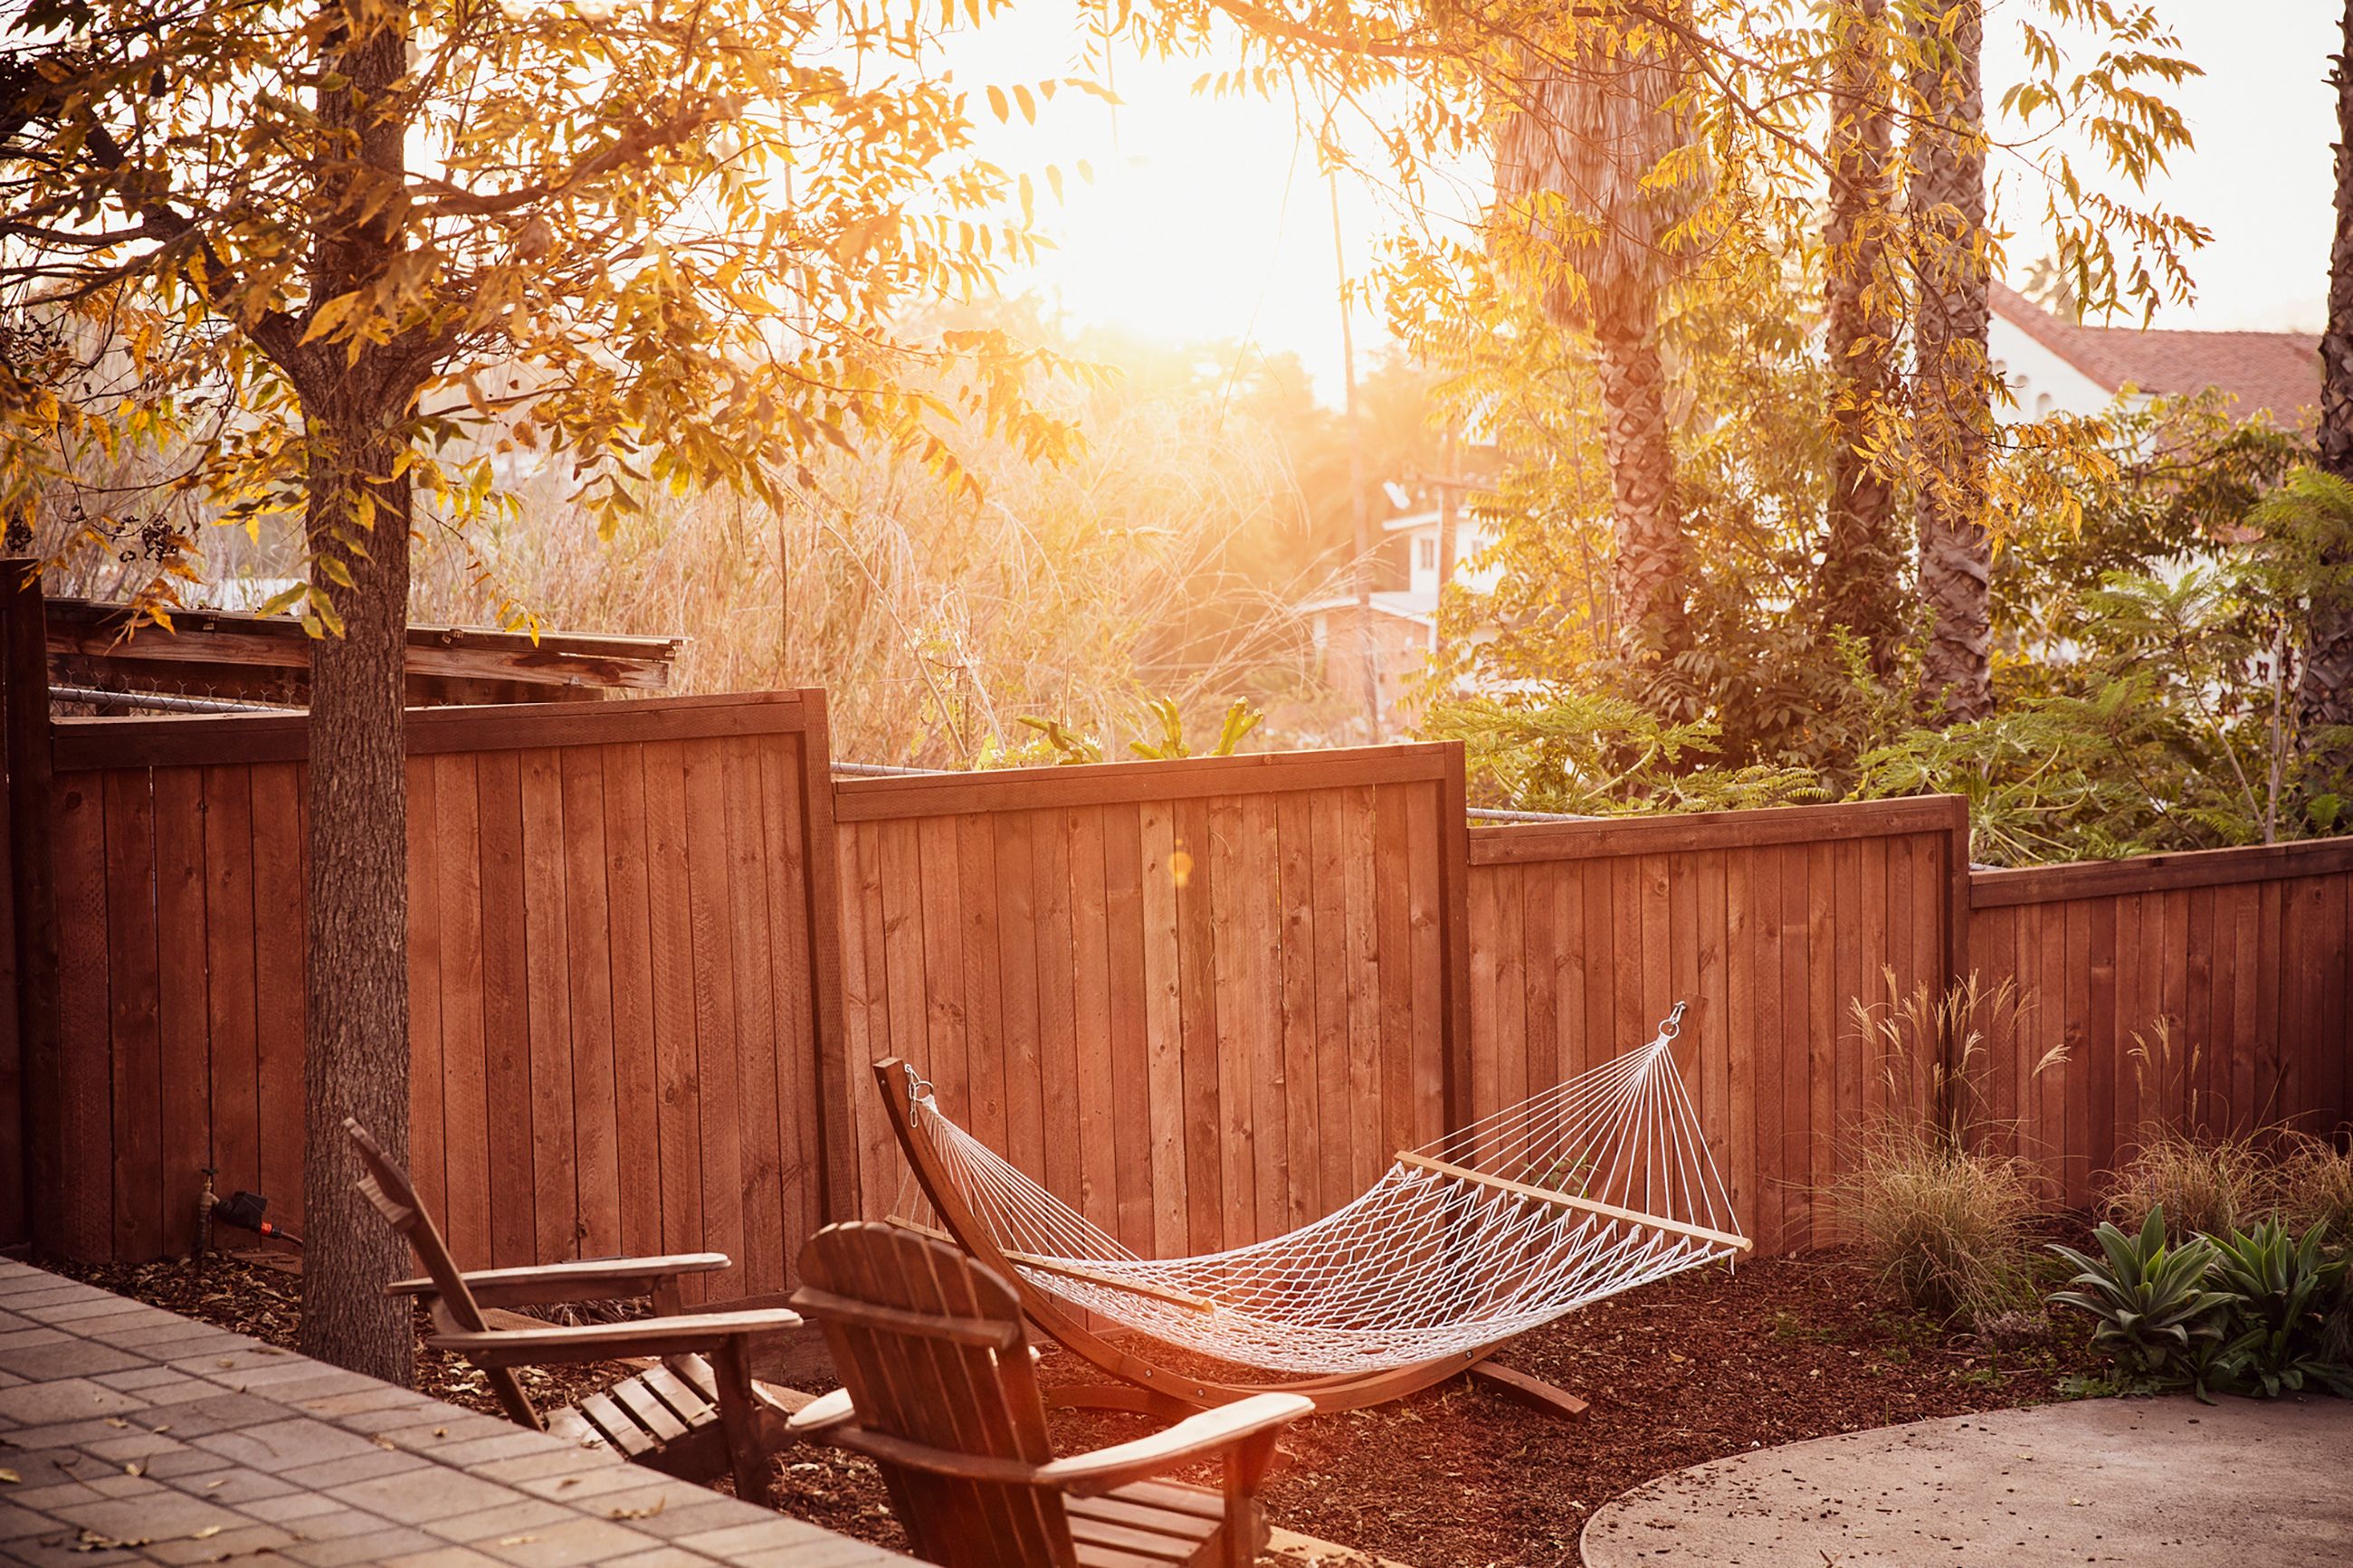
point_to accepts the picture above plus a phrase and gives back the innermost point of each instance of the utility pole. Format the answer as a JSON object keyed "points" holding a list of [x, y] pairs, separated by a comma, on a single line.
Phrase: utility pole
{"points": [[1361, 524]]}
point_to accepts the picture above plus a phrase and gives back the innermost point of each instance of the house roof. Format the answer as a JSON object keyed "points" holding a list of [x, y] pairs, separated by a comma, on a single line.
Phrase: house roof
{"points": [[1420, 608], [2266, 373]]}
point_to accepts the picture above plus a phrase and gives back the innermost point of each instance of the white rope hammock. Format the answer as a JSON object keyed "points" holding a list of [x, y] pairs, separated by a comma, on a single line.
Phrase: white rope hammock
{"points": [[1594, 1186]]}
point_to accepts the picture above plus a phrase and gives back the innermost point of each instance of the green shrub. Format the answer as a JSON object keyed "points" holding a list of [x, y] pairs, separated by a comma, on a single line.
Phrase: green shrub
{"points": [[2148, 1300], [2281, 1293], [2203, 1187]]}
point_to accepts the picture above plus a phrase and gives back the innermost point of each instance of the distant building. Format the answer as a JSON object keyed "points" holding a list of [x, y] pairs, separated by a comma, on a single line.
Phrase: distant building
{"points": [[1403, 622], [2058, 366]]}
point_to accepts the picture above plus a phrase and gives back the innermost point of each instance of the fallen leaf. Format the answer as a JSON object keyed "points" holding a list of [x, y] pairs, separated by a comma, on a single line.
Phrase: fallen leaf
{"points": [[206, 1533], [11, 1477], [648, 1512], [134, 1469], [515, 1540]]}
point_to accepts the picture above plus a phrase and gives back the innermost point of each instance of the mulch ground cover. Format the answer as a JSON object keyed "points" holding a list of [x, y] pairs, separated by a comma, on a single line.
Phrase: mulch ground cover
{"points": [[1699, 1367]]}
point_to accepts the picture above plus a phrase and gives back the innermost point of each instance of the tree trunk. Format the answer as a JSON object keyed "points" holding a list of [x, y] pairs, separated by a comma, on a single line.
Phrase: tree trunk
{"points": [[2324, 693], [1646, 578], [355, 411], [1857, 585], [1953, 387]]}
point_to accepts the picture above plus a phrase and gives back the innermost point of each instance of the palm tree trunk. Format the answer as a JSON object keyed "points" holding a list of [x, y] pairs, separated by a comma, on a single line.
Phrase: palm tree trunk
{"points": [[1953, 387], [1646, 578], [2324, 692], [1857, 585]]}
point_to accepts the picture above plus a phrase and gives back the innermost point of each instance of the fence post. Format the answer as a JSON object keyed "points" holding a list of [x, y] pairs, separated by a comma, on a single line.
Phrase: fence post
{"points": [[1454, 900], [28, 1047], [836, 1130], [1956, 955]]}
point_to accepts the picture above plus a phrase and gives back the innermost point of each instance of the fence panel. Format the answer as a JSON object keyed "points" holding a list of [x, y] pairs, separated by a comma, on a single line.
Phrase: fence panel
{"points": [[1770, 925], [619, 973], [2207, 991], [1203, 1001]]}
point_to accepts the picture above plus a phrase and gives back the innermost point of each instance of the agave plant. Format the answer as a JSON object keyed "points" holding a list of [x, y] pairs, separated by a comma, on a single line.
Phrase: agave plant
{"points": [[2148, 1299], [2282, 1291]]}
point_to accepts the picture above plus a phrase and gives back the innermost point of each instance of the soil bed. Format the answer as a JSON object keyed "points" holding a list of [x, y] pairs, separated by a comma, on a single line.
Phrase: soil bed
{"points": [[1696, 1368], [1699, 1367]]}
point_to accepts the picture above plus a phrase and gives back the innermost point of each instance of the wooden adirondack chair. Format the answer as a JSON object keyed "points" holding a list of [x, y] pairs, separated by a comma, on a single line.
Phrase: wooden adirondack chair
{"points": [[941, 1391], [690, 1417]]}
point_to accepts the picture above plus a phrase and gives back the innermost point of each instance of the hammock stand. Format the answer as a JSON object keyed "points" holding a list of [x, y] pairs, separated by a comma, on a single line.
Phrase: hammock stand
{"points": [[1143, 1386]]}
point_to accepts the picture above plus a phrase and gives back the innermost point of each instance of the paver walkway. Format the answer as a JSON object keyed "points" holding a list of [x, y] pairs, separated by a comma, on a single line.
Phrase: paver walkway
{"points": [[129, 1434], [2239, 1484]]}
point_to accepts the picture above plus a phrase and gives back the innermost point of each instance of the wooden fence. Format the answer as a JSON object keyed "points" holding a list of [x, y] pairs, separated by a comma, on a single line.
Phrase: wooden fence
{"points": [[2205, 992], [1772, 926], [620, 968], [1203, 1001]]}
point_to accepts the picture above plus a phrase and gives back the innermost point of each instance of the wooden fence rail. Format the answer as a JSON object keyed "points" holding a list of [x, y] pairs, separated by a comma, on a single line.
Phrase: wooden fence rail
{"points": [[653, 947]]}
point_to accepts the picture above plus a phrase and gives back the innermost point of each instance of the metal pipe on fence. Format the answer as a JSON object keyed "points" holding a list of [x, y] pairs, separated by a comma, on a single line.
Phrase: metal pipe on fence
{"points": [[159, 701]]}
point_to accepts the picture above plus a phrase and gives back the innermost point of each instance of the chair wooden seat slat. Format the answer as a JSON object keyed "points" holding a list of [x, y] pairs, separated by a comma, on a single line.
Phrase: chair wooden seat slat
{"points": [[941, 1391], [1148, 1512], [633, 1395], [689, 1405], [696, 1413]]}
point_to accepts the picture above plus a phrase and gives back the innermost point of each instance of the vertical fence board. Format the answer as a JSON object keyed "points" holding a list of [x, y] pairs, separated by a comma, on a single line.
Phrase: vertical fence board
{"points": [[183, 1005]]}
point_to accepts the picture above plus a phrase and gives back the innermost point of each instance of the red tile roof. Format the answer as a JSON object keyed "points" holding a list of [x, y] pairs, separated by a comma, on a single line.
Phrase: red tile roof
{"points": [[2268, 372]]}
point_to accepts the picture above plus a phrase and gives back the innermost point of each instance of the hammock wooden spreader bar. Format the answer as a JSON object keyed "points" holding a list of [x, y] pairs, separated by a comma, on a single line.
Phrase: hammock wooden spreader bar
{"points": [[1571, 1200]]}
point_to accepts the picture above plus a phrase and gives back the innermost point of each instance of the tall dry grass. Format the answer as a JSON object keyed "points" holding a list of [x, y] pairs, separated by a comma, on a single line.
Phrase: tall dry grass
{"points": [[2313, 1184], [1947, 1222], [2212, 1173], [1148, 566], [2207, 1186]]}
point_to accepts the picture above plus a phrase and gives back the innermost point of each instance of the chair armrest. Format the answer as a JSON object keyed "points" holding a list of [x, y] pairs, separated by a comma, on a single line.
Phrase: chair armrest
{"points": [[1213, 1431], [589, 1279], [822, 1415], [1086, 1475], [553, 1345]]}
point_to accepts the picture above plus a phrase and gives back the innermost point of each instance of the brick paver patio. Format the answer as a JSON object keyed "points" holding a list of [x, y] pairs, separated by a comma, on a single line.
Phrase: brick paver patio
{"points": [[129, 1434]]}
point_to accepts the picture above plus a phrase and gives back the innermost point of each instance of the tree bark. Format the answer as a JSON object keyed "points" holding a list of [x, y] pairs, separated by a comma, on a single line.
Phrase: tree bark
{"points": [[1953, 387], [2324, 692], [1647, 576], [1858, 584], [355, 412]]}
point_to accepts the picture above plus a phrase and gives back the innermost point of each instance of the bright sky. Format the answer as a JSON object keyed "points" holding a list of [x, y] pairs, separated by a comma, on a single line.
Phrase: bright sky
{"points": [[1208, 219]]}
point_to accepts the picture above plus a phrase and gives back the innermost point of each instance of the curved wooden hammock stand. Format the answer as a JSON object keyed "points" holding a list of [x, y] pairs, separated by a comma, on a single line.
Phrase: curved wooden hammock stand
{"points": [[1145, 1386]]}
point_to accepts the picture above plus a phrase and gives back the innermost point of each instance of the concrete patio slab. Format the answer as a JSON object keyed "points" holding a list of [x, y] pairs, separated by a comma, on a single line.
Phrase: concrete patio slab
{"points": [[2240, 1484]]}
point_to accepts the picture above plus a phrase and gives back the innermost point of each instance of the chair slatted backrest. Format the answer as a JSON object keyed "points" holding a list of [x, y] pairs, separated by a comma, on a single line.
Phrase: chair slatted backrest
{"points": [[387, 1186], [930, 1345]]}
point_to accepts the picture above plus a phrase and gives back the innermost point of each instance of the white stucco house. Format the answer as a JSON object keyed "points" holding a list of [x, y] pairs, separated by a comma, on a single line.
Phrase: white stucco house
{"points": [[2057, 366]]}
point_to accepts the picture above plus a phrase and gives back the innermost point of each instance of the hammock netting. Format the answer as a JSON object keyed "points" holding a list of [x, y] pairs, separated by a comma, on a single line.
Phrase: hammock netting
{"points": [[1435, 1259]]}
